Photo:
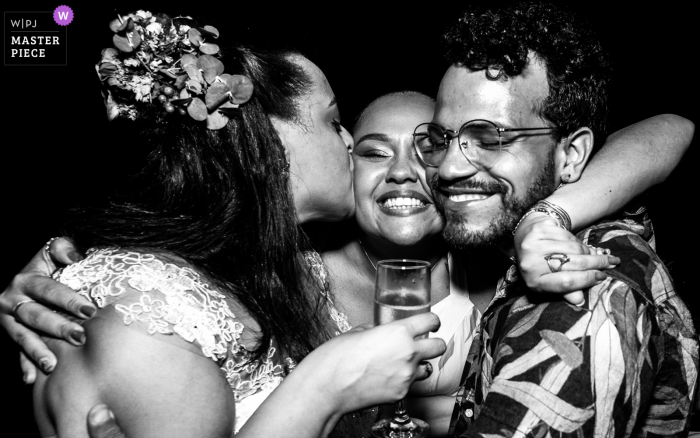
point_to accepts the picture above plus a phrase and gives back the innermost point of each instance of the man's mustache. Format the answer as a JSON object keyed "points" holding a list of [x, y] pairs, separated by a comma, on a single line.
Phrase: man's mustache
{"points": [[438, 184]]}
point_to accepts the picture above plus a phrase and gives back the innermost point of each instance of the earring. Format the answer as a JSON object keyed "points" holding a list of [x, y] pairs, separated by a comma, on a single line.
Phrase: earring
{"points": [[564, 180]]}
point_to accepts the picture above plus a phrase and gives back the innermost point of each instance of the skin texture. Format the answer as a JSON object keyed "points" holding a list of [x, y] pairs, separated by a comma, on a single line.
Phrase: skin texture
{"points": [[386, 165], [320, 167]]}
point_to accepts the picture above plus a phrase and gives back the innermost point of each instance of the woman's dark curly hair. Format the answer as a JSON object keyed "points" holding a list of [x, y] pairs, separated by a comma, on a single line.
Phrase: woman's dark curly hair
{"points": [[578, 70]]}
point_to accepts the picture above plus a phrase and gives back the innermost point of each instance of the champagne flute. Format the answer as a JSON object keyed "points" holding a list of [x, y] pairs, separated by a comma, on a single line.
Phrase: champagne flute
{"points": [[402, 289]]}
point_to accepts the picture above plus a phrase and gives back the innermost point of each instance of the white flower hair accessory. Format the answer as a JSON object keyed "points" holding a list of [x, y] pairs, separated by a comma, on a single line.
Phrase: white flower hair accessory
{"points": [[162, 61]]}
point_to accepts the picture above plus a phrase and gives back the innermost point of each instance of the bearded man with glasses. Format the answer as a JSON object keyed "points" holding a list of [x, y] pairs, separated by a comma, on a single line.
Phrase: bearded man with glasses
{"points": [[518, 114]]}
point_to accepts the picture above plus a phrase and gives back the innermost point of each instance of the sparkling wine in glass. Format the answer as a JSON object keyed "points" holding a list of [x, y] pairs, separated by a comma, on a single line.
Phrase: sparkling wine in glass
{"points": [[402, 289]]}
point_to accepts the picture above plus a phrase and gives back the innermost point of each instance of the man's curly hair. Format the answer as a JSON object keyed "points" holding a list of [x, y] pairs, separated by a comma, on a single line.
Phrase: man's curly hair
{"points": [[578, 70]]}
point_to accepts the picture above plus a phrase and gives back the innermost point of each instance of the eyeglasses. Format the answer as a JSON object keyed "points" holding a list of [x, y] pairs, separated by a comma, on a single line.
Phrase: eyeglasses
{"points": [[480, 141]]}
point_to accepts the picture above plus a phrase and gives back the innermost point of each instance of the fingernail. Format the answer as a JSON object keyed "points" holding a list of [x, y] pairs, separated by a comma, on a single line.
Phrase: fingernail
{"points": [[614, 260], [46, 365], [103, 415], [24, 379], [75, 256], [78, 336], [600, 276], [87, 311]]}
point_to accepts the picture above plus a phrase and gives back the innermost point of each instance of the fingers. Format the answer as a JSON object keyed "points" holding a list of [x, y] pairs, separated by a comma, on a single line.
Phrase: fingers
{"points": [[424, 370], [49, 291], [28, 369], [420, 324], [589, 262], [103, 424], [37, 317], [570, 281], [429, 348], [575, 298], [33, 346], [64, 252]]}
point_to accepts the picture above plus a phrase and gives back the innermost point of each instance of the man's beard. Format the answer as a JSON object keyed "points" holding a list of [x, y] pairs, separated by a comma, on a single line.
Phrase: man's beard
{"points": [[499, 232]]}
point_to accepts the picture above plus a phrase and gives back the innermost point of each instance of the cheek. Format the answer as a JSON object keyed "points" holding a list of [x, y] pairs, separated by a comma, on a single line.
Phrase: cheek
{"points": [[366, 179]]}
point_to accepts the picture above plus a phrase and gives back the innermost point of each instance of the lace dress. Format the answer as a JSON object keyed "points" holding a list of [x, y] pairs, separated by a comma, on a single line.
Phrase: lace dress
{"points": [[169, 299]]}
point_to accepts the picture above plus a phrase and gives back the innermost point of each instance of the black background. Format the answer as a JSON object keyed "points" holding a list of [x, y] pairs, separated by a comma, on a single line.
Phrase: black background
{"points": [[55, 144]]}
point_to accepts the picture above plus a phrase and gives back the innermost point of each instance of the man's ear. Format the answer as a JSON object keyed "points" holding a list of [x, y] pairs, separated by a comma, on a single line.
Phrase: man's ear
{"points": [[577, 150]]}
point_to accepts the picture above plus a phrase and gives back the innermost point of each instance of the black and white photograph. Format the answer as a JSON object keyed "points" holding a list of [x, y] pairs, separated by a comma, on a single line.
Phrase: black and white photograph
{"points": [[471, 219]]}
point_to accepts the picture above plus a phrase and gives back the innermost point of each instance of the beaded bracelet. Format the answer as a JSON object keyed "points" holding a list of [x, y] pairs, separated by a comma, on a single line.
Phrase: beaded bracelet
{"points": [[552, 210]]}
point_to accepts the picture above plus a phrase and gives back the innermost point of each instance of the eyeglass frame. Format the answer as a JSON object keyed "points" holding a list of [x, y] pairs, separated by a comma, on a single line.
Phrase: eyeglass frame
{"points": [[456, 135]]}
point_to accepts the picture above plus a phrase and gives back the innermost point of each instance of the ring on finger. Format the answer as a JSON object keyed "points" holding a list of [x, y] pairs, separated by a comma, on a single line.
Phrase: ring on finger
{"points": [[20, 304], [559, 261], [47, 247]]}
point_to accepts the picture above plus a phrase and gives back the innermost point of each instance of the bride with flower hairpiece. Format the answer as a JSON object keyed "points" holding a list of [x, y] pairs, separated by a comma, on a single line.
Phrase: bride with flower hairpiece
{"points": [[205, 303]]}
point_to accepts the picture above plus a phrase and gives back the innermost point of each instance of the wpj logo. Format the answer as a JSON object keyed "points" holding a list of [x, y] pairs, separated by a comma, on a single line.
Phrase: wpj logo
{"points": [[37, 38]]}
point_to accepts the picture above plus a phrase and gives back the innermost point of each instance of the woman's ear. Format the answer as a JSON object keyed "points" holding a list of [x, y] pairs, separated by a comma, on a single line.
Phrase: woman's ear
{"points": [[577, 150]]}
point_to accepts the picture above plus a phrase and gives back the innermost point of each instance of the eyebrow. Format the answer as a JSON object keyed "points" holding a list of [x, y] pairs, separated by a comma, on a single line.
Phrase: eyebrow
{"points": [[376, 137]]}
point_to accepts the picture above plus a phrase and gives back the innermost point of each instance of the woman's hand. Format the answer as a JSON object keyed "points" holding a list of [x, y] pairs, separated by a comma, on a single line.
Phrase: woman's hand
{"points": [[370, 366], [24, 313], [539, 236]]}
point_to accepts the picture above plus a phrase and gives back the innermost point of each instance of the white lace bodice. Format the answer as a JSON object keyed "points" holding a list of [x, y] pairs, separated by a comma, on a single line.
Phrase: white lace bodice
{"points": [[171, 299]]}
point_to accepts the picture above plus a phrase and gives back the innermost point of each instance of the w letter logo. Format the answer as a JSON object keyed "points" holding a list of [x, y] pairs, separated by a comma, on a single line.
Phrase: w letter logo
{"points": [[63, 15]]}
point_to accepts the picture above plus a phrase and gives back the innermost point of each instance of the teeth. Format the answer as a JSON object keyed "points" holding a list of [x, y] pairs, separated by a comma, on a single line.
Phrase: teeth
{"points": [[401, 203], [468, 197]]}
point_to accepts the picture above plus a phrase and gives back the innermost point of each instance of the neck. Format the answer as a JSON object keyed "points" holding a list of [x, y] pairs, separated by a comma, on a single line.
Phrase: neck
{"points": [[431, 249]]}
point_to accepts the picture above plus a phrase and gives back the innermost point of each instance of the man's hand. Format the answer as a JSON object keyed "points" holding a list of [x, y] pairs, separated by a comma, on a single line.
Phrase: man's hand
{"points": [[25, 308], [538, 236]]}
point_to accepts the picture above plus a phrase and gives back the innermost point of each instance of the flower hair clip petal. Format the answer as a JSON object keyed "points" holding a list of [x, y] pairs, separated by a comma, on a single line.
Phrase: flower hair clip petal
{"points": [[168, 62]]}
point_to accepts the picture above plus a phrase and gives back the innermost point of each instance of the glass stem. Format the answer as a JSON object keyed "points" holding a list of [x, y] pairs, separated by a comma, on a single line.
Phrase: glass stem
{"points": [[400, 415]]}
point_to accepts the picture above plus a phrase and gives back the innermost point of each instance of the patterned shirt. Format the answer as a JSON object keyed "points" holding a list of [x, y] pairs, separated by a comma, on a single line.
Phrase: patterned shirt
{"points": [[625, 363]]}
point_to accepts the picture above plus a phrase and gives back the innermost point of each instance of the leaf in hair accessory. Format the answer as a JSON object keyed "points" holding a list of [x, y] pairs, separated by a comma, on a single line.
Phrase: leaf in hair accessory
{"points": [[197, 110], [181, 102], [194, 86], [180, 82], [209, 49], [184, 94], [212, 30], [121, 25], [135, 38], [114, 82], [217, 94], [216, 120], [195, 37], [107, 69], [109, 53], [167, 73], [188, 59], [194, 73], [240, 87], [122, 43], [211, 67]]}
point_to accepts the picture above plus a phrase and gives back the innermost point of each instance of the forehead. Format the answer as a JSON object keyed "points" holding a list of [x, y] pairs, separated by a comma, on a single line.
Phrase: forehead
{"points": [[395, 115], [320, 86], [467, 95]]}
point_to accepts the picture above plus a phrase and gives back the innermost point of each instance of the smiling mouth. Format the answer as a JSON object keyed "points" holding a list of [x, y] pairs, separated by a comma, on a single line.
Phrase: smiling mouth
{"points": [[402, 203], [470, 197]]}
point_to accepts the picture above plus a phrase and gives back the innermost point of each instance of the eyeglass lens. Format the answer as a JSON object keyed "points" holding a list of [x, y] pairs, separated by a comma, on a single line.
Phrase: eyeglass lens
{"points": [[479, 141]]}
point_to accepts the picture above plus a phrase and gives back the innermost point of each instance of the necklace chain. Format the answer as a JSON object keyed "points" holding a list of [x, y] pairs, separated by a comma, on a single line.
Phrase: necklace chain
{"points": [[375, 266]]}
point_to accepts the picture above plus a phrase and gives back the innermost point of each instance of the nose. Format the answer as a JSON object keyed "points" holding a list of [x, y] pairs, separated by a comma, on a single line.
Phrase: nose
{"points": [[404, 167], [456, 164]]}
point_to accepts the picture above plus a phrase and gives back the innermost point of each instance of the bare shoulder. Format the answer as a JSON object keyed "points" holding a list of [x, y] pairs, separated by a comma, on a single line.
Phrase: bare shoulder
{"points": [[144, 355]]}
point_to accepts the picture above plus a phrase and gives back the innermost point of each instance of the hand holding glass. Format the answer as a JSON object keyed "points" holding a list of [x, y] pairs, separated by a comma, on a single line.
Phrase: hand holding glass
{"points": [[402, 289]]}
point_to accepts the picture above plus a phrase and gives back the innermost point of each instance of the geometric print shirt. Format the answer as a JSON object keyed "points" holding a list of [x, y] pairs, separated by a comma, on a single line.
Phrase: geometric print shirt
{"points": [[625, 363]]}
